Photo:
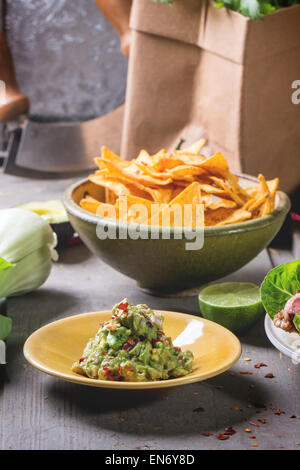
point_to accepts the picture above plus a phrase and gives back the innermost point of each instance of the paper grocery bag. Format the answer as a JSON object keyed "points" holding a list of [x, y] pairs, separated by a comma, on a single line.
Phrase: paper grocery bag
{"points": [[196, 70]]}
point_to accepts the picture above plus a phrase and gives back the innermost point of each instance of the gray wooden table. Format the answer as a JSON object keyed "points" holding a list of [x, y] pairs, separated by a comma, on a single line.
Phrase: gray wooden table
{"points": [[41, 412]]}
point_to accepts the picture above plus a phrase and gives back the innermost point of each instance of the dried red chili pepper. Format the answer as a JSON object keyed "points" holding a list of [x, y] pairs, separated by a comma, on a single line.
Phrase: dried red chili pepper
{"points": [[207, 434], [245, 372], [222, 437], [259, 365], [269, 376], [292, 416], [279, 412], [263, 421], [230, 431]]}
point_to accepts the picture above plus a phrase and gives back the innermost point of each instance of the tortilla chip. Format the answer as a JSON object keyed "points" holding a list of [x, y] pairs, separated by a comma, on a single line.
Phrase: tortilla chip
{"points": [[238, 215], [175, 213], [222, 203], [272, 186], [133, 173], [216, 165], [230, 193], [133, 209], [185, 172], [161, 183], [194, 148], [166, 194], [107, 154], [119, 189], [99, 208]]}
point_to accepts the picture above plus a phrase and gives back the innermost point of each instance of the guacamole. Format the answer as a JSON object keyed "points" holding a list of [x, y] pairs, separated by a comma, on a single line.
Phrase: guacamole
{"points": [[132, 346]]}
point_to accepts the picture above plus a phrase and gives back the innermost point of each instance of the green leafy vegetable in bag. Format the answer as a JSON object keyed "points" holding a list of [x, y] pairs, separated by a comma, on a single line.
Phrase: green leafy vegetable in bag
{"points": [[254, 9]]}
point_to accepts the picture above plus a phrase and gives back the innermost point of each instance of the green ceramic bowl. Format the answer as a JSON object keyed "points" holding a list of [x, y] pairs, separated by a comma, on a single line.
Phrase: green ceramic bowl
{"points": [[165, 265]]}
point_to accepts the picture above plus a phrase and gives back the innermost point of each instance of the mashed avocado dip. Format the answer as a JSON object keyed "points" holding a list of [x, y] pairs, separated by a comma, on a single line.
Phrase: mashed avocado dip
{"points": [[133, 347]]}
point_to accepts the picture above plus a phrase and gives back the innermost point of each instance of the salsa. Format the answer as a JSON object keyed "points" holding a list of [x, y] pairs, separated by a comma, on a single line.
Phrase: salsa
{"points": [[132, 346]]}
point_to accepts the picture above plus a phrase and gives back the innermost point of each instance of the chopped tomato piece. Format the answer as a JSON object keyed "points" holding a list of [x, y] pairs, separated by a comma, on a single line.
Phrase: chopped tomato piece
{"points": [[123, 306]]}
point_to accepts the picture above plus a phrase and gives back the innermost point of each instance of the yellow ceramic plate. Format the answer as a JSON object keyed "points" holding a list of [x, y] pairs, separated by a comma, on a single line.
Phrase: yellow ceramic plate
{"points": [[54, 347]]}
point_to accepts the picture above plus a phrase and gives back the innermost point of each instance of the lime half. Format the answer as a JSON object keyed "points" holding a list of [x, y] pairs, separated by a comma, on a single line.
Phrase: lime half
{"points": [[235, 305]]}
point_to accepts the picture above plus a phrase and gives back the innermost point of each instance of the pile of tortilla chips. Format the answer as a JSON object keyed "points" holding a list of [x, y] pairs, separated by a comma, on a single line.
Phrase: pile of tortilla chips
{"points": [[182, 177]]}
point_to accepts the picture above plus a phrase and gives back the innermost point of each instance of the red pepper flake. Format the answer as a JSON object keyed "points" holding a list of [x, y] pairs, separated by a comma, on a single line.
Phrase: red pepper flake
{"points": [[177, 348], [126, 346], [207, 434], [245, 372], [229, 431], [199, 409], [269, 376], [292, 416], [254, 445], [247, 430], [263, 421], [222, 437], [82, 359], [131, 340], [279, 412], [119, 369], [107, 373], [252, 437], [259, 365], [254, 424]]}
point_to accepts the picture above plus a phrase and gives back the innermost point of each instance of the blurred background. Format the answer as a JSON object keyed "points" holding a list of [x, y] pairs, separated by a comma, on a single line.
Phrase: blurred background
{"points": [[67, 57]]}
